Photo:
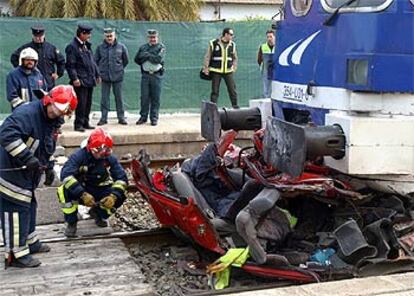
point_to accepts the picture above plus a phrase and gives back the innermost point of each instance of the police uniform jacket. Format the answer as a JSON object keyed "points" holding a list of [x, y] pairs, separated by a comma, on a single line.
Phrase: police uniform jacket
{"points": [[153, 53], [80, 63], [111, 61], [99, 177], [50, 60], [20, 86], [25, 133]]}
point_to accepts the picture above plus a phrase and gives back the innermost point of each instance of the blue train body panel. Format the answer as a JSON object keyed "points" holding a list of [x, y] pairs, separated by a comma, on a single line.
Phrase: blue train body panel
{"points": [[307, 51]]}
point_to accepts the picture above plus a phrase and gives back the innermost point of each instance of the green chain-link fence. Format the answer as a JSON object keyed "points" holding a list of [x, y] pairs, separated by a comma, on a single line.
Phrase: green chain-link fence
{"points": [[186, 44]]}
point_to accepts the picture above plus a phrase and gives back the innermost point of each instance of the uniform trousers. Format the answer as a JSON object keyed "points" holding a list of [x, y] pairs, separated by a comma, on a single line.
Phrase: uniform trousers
{"points": [[105, 102], [150, 96], [215, 87], [83, 109], [18, 227]]}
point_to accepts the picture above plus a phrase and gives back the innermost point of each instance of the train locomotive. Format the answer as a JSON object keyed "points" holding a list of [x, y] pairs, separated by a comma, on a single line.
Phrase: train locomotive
{"points": [[336, 155], [351, 63]]}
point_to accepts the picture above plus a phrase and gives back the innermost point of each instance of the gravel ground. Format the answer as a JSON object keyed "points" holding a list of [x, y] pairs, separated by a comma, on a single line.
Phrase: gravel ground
{"points": [[163, 264], [134, 214], [172, 268], [165, 268]]}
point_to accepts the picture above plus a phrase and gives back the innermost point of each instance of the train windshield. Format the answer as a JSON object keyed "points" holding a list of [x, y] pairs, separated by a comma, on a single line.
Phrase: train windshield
{"points": [[356, 6]]}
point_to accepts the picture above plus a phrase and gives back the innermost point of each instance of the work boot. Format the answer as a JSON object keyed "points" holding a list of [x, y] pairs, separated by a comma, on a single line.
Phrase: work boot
{"points": [[122, 122], [79, 129], [141, 121], [88, 126], [70, 230], [93, 212], [39, 248], [25, 262], [154, 122], [102, 122]]}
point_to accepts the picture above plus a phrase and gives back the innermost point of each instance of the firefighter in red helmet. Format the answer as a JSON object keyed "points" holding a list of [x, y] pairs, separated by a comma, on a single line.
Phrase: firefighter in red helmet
{"points": [[92, 176], [27, 141]]}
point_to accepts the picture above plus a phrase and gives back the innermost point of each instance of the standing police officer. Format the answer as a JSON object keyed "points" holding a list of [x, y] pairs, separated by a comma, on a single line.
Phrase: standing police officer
{"points": [[83, 74], [150, 57], [111, 57], [220, 61], [265, 61], [23, 80], [51, 62]]}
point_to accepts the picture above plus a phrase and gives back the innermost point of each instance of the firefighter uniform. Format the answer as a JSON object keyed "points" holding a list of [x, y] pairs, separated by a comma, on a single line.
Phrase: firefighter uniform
{"points": [[20, 85], [28, 133], [50, 60], [222, 60], [99, 177]]}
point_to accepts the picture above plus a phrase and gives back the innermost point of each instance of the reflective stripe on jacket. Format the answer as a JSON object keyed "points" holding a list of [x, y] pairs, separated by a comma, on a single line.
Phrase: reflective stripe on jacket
{"points": [[221, 56], [25, 133]]}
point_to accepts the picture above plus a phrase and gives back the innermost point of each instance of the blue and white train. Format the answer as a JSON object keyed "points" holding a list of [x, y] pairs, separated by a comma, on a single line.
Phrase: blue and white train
{"points": [[351, 62]]}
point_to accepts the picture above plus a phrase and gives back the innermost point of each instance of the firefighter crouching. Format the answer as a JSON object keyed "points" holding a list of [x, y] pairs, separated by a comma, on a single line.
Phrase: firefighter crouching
{"points": [[27, 142], [92, 177]]}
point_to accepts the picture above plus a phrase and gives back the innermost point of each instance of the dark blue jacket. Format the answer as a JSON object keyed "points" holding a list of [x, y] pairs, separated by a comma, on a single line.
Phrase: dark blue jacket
{"points": [[50, 60], [215, 192], [20, 86], [99, 177], [111, 61], [25, 133], [80, 63]]}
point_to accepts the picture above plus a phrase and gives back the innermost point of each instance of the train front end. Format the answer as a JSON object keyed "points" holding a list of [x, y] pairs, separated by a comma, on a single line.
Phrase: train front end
{"points": [[351, 64]]}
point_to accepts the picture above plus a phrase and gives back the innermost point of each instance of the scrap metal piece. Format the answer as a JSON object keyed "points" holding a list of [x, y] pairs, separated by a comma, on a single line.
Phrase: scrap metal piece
{"points": [[287, 146], [210, 122], [284, 146], [353, 247]]}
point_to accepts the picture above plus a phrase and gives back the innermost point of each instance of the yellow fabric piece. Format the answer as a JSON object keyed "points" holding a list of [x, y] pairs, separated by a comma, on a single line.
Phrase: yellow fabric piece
{"points": [[292, 219], [221, 268]]}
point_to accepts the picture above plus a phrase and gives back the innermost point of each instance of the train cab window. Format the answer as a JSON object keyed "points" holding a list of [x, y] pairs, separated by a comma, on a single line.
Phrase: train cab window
{"points": [[300, 7], [356, 6]]}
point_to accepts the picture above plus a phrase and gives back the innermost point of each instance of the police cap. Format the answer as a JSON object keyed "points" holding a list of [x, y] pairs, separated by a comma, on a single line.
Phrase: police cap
{"points": [[152, 32], [84, 28], [109, 30], [38, 30]]}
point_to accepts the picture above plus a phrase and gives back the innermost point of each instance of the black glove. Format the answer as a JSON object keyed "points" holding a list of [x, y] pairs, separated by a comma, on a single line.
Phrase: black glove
{"points": [[49, 177], [33, 164]]}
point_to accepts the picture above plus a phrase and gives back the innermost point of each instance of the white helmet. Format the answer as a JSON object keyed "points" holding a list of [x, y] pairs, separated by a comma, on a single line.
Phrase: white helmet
{"points": [[28, 53]]}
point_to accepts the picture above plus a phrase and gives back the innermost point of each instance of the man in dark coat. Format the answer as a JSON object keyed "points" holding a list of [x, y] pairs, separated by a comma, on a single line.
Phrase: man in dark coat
{"points": [[83, 74]]}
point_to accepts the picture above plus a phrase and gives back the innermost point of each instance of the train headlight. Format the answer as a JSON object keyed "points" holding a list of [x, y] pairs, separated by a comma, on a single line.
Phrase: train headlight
{"points": [[357, 71]]}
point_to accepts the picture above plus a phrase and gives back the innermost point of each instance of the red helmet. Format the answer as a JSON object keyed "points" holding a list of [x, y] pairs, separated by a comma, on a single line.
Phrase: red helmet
{"points": [[100, 142], [63, 97]]}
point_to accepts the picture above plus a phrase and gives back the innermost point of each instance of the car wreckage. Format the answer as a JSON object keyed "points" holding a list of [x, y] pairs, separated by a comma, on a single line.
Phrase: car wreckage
{"points": [[301, 220]]}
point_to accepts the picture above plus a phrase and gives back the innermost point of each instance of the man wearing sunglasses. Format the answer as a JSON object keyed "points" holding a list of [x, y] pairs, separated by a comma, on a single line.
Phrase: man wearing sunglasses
{"points": [[83, 74], [27, 141], [220, 61], [111, 57], [93, 177]]}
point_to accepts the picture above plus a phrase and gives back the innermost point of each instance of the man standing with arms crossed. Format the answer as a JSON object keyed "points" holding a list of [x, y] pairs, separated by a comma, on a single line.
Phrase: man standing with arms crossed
{"points": [[150, 57], [112, 58]]}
